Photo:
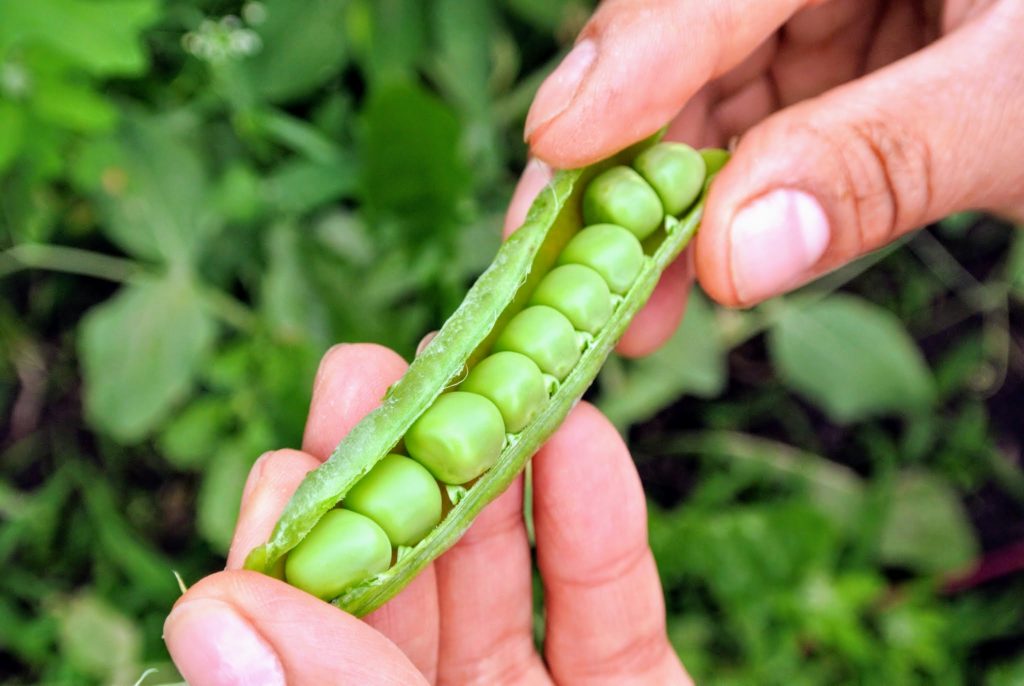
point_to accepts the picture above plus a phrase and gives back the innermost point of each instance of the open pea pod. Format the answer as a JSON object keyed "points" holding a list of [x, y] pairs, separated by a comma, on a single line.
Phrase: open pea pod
{"points": [[502, 291]]}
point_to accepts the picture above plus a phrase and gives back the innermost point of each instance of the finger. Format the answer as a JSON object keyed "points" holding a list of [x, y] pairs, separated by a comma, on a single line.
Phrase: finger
{"points": [[535, 177], [832, 178], [819, 54], [484, 583], [605, 611], [351, 381], [272, 480], [634, 66], [424, 342], [410, 620], [658, 319], [239, 627]]}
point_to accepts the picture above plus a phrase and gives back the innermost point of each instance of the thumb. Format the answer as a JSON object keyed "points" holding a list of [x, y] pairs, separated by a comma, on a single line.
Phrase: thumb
{"points": [[634, 66], [823, 182], [240, 627]]}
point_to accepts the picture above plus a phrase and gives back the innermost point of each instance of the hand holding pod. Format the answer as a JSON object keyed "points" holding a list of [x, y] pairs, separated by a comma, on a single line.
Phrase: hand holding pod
{"points": [[499, 377]]}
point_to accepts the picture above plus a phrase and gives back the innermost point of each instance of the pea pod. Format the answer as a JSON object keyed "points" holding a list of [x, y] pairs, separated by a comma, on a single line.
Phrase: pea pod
{"points": [[478, 328]]}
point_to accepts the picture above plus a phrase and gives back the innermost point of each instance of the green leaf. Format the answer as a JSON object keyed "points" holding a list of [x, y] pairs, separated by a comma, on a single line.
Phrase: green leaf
{"points": [[413, 169], [693, 361], [26, 634], [303, 47], [854, 359], [548, 15], [157, 204], [1014, 268], [462, 65], [191, 437], [102, 37], [463, 59], [12, 127], [99, 641], [1009, 673], [118, 542], [835, 489], [220, 494], [292, 307], [75, 106], [239, 194], [300, 186], [388, 36], [926, 528], [140, 352]]}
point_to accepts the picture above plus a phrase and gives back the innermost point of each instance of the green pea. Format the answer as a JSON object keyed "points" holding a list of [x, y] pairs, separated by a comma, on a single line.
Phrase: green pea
{"points": [[458, 438], [675, 172], [714, 159], [621, 196], [610, 250], [343, 549], [545, 336], [513, 382], [579, 293], [401, 496]]}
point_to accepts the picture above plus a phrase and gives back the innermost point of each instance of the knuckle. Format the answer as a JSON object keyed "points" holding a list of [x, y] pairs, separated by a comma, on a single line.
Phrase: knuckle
{"points": [[885, 175], [640, 653]]}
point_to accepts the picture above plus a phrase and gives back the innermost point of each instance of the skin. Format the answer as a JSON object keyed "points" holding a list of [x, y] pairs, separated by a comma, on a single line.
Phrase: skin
{"points": [[886, 115], [467, 619]]}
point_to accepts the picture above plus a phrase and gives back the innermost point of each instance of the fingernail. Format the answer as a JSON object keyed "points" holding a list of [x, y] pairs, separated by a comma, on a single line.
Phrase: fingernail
{"points": [[556, 93], [320, 376], [212, 645], [255, 474], [424, 342], [536, 176], [774, 241]]}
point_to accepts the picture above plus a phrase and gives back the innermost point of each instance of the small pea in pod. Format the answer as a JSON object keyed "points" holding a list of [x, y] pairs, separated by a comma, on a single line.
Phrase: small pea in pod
{"points": [[465, 412]]}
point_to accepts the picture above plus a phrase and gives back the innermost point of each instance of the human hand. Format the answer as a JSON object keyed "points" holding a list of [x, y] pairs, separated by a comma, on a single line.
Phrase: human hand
{"points": [[468, 618], [860, 120]]}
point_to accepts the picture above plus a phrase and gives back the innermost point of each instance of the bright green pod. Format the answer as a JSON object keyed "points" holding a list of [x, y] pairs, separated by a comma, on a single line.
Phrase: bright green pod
{"points": [[545, 336], [621, 196], [343, 549], [513, 382], [401, 496], [675, 172], [579, 293], [458, 438], [610, 250]]}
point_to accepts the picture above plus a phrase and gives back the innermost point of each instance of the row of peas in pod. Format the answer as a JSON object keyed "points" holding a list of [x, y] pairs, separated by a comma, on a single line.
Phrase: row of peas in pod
{"points": [[463, 433]]}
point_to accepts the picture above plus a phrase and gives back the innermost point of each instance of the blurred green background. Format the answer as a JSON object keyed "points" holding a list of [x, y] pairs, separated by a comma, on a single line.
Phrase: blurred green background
{"points": [[198, 198]]}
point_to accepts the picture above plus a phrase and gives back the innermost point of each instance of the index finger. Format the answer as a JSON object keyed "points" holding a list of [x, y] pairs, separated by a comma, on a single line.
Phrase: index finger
{"points": [[635, 65]]}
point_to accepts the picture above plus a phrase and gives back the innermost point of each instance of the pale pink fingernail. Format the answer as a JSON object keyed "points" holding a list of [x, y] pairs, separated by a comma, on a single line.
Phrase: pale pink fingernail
{"points": [[212, 645], [558, 90], [774, 241], [424, 342], [535, 176]]}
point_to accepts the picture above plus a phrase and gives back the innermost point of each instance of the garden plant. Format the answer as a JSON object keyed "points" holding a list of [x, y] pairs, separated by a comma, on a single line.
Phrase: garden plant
{"points": [[199, 198]]}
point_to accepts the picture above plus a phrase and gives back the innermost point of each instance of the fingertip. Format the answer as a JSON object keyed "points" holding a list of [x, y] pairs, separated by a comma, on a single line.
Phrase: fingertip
{"points": [[535, 176], [246, 617], [210, 640], [272, 481], [351, 381]]}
